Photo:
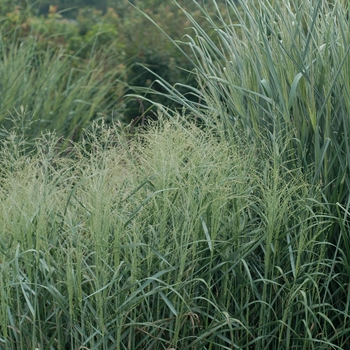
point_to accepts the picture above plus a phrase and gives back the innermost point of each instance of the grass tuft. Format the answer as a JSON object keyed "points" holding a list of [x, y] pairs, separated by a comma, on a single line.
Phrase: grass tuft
{"points": [[171, 238]]}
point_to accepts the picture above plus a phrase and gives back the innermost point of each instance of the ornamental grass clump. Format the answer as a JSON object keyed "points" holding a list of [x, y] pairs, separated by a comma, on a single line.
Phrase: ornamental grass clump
{"points": [[171, 238], [227, 231], [272, 68], [271, 71], [63, 90]]}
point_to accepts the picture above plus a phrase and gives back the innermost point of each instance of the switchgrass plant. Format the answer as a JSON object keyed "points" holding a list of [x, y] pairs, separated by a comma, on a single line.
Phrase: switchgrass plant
{"points": [[61, 91], [171, 238], [272, 68], [279, 70]]}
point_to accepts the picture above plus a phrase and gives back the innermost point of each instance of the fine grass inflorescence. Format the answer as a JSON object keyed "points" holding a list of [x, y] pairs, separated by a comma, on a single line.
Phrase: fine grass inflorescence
{"points": [[222, 226], [169, 239]]}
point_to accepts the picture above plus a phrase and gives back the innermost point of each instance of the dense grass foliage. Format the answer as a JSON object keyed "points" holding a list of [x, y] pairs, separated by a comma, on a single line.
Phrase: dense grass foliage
{"points": [[282, 69], [221, 226], [121, 39], [63, 87], [59, 93], [170, 239]]}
